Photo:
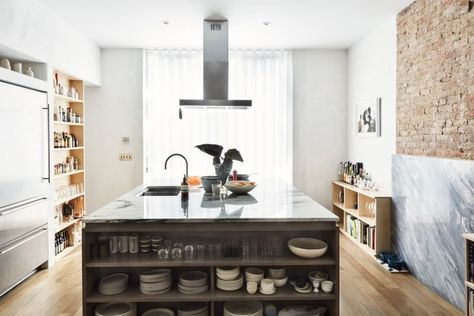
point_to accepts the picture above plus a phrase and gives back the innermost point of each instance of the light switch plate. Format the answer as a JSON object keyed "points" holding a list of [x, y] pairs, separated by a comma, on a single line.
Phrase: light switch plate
{"points": [[125, 157]]}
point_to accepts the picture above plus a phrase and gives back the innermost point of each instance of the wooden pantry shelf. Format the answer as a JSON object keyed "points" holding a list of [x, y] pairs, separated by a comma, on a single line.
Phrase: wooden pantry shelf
{"points": [[371, 194], [152, 260], [469, 285], [61, 175], [354, 212], [364, 247], [68, 123], [66, 224], [66, 98], [66, 251], [69, 148], [69, 198]]}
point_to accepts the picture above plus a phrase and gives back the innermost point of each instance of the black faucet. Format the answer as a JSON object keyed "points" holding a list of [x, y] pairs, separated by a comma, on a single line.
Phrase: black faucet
{"points": [[185, 160]]}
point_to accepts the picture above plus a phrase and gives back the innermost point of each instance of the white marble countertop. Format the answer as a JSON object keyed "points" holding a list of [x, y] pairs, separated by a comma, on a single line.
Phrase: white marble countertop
{"points": [[270, 201]]}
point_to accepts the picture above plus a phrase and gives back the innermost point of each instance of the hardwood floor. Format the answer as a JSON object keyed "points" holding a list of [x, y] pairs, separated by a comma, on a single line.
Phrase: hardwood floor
{"points": [[366, 289]]}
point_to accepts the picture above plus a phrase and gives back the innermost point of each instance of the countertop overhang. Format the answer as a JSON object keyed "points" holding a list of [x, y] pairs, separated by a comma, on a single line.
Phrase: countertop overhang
{"points": [[270, 201]]}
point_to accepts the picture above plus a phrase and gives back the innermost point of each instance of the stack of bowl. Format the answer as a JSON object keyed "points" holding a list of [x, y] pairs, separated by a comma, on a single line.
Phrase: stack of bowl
{"points": [[194, 309], [145, 243], [113, 284], [278, 275], [327, 286], [155, 242], [253, 276], [193, 282], [155, 282], [243, 309], [114, 309], [229, 279]]}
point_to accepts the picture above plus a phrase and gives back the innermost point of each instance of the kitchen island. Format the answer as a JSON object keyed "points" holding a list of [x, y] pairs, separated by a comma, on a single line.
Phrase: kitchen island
{"points": [[205, 232]]}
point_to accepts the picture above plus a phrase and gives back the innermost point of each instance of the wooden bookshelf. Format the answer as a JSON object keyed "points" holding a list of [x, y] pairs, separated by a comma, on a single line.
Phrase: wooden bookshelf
{"points": [[468, 280], [71, 123], [371, 208]]}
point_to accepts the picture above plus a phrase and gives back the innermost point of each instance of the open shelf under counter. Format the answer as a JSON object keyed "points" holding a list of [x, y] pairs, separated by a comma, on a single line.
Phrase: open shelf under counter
{"points": [[133, 294], [152, 260], [61, 175], [66, 98], [68, 123]]}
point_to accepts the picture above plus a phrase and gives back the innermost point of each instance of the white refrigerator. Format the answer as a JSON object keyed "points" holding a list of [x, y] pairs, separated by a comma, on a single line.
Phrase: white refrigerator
{"points": [[24, 182]]}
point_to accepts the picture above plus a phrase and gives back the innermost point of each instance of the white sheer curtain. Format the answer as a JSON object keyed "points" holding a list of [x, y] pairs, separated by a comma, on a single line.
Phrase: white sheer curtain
{"points": [[262, 134]]}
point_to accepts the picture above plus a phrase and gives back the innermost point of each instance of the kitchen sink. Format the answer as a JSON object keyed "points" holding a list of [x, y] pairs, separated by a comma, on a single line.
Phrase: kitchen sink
{"points": [[160, 191]]}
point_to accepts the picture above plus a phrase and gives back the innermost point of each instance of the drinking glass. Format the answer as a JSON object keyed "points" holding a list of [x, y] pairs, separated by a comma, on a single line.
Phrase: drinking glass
{"points": [[200, 249], [133, 243], [113, 244], [253, 248], [163, 252], [245, 249], [177, 251], [189, 251], [123, 243]]}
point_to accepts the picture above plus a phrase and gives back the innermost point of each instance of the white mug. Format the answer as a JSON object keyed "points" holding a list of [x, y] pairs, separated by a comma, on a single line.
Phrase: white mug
{"points": [[5, 63], [17, 67]]}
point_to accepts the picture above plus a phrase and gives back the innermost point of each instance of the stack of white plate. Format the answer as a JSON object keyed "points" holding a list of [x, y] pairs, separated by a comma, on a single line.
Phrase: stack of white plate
{"points": [[253, 275], [243, 309], [145, 243], [113, 284], [229, 279], [193, 282], [155, 281], [155, 242], [116, 309], [194, 309], [159, 312]]}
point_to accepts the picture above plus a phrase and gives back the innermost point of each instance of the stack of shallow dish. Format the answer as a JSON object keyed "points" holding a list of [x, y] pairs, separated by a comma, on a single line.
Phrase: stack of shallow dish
{"points": [[253, 275], [145, 243], [193, 282], [243, 309], [116, 309], [113, 284], [155, 282], [159, 312], [155, 242], [194, 309], [229, 279]]}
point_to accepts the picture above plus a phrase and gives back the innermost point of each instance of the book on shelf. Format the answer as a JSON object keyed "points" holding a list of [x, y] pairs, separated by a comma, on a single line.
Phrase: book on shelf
{"points": [[361, 231]]}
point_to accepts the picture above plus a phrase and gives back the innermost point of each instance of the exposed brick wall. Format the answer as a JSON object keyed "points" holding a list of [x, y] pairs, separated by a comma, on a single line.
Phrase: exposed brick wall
{"points": [[435, 79]]}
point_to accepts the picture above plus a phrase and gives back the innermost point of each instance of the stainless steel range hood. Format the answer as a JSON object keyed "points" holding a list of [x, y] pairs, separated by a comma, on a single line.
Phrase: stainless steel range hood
{"points": [[216, 70]]}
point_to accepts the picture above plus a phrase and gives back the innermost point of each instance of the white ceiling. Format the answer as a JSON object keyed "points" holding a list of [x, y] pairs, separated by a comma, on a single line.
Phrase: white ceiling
{"points": [[294, 23]]}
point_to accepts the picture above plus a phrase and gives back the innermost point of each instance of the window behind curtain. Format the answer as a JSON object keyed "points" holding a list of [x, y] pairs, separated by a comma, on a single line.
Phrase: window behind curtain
{"points": [[262, 134]]}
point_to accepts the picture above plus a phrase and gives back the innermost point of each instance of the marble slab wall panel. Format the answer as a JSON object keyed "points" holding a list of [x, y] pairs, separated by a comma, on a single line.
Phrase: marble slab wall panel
{"points": [[433, 205]]}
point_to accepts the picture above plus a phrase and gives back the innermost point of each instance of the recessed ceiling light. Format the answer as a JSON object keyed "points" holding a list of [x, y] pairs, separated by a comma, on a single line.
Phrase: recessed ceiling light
{"points": [[266, 23], [165, 22]]}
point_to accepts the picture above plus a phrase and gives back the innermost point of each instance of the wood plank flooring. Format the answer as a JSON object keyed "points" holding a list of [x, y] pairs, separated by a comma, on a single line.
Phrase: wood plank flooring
{"points": [[366, 289]]}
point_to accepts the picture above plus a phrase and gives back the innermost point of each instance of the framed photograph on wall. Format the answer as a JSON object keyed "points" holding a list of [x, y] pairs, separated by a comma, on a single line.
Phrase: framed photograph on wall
{"points": [[368, 122]]}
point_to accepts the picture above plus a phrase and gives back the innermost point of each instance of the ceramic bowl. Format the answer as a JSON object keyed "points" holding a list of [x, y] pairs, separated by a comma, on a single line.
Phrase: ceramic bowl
{"points": [[317, 276], [252, 287], [240, 187], [267, 285], [280, 282], [307, 247], [276, 273], [208, 181]]}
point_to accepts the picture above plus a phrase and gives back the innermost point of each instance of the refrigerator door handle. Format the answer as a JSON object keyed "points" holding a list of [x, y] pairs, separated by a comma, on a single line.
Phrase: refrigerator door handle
{"points": [[21, 205], [47, 156], [4, 251]]}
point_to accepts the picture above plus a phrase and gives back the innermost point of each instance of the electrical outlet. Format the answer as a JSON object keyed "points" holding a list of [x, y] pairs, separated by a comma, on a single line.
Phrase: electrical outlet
{"points": [[125, 157]]}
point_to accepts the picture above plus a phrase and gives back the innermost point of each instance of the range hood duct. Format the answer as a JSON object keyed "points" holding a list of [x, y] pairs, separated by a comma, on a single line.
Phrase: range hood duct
{"points": [[216, 69]]}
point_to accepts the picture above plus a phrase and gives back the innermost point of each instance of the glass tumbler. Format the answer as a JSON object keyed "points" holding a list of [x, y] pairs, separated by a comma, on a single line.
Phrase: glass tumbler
{"points": [[113, 244], [177, 251], [133, 243], [123, 243], [189, 251], [163, 252], [200, 249]]}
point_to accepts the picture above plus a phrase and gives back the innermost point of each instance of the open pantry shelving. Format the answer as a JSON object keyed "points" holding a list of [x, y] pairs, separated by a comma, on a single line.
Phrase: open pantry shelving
{"points": [[469, 275], [365, 216], [68, 161]]}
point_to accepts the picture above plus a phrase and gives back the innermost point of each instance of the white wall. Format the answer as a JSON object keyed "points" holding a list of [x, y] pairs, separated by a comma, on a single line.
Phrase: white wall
{"points": [[114, 110], [319, 120], [372, 74], [33, 31]]}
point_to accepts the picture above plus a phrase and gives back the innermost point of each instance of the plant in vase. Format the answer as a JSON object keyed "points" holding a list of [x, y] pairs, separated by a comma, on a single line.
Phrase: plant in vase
{"points": [[222, 165]]}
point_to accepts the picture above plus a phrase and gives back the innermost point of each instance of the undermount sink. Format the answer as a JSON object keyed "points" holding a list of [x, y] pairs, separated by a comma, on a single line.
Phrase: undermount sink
{"points": [[160, 191]]}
